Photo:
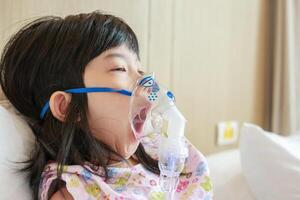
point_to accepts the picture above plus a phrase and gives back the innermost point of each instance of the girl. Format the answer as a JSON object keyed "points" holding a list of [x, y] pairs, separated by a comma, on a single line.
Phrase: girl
{"points": [[85, 147]]}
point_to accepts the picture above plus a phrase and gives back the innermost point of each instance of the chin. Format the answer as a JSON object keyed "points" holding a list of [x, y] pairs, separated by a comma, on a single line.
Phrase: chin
{"points": [[131, 150]]}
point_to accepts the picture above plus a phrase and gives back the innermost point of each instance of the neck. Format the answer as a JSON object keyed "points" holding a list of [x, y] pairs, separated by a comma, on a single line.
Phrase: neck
{"points": [[132, 161]]}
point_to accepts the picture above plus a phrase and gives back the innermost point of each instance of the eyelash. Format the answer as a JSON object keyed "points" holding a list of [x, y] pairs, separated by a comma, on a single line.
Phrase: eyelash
{"points": [[122, 69]]}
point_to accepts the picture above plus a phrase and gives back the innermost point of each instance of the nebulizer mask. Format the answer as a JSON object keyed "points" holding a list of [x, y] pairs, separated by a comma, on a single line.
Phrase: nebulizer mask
{"points": [[153, 110]]}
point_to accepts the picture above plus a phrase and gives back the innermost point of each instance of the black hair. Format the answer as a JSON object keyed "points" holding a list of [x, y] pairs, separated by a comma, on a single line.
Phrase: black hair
{"points": [[51, 54]]}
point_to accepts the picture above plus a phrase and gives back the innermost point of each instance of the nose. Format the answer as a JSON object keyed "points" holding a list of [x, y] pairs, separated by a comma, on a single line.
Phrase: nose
{"points": [[136, 76]]}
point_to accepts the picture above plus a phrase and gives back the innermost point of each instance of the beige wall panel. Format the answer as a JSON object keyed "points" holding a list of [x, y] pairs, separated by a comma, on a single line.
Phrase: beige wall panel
{"points": [[18, 12], [218, 74], [161, 40]]}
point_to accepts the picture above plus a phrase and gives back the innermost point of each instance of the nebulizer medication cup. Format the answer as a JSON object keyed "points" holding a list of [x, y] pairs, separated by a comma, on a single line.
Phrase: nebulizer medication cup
{"points": [[153, 110]]}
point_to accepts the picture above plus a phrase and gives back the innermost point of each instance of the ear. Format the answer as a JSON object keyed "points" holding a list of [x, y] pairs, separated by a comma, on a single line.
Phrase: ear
{"points": [[58, 103]]}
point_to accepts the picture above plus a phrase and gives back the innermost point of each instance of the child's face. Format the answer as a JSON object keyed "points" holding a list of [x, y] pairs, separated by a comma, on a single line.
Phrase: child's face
{"points": [[117, 68]]}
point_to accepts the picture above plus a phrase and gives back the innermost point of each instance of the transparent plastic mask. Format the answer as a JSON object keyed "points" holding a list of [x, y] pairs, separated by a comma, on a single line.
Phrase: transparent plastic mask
{"points": [[146, 97]]}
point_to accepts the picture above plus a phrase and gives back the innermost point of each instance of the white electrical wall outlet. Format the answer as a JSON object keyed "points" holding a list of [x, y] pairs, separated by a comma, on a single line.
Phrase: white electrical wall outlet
{"points": [[227, 132]]}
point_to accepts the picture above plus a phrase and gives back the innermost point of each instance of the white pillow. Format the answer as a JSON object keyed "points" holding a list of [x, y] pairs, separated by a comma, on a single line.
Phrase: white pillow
{"points": [[16, 142], [226, 176], [270, 163]]}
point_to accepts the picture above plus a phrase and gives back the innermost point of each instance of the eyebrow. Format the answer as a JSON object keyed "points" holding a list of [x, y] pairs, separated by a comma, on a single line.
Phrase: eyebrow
{"points": [[115, 55]]}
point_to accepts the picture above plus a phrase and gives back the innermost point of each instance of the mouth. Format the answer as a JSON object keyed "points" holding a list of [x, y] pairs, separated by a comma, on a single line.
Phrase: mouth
{"points": [[139, 120]]}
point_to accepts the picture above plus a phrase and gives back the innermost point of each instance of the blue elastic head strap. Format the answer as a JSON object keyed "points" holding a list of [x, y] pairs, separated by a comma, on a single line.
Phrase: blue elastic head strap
{"points": [[85, 90]]}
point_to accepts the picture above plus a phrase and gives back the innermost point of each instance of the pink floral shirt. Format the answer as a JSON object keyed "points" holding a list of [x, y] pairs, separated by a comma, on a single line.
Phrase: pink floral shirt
{"points": [[135, 182]]}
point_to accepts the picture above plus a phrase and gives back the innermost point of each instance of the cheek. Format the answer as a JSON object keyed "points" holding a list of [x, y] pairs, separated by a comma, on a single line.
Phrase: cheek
{"points": [[108, 118], [108, 107], [109, 122]]}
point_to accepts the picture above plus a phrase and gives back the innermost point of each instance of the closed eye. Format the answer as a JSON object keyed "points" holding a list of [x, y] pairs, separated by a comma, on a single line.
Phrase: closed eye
{"points": [[121, 69]]}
